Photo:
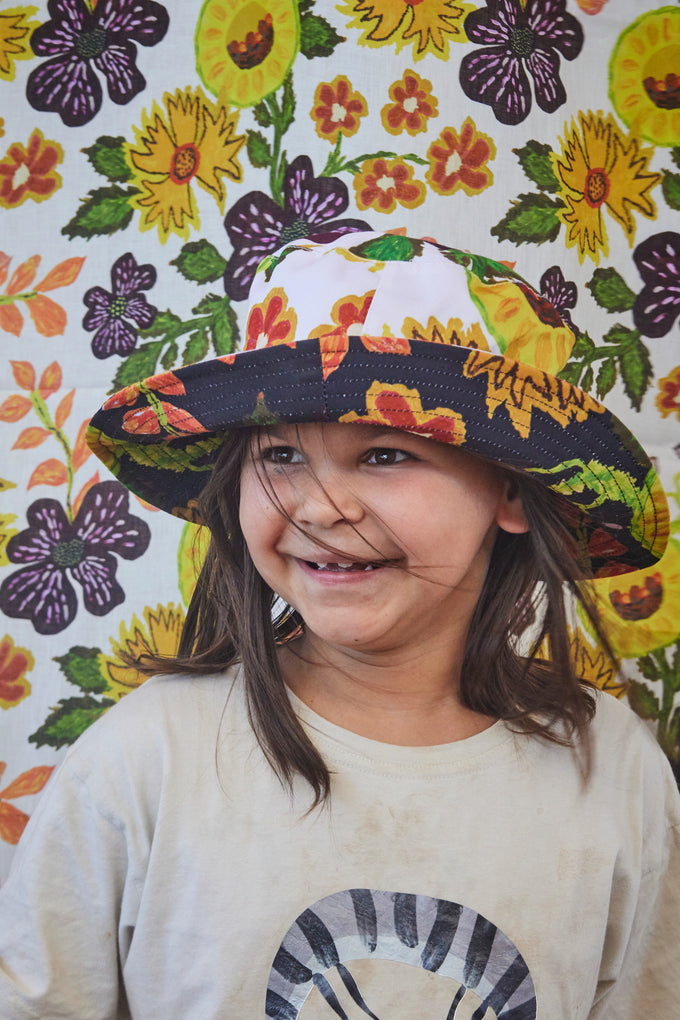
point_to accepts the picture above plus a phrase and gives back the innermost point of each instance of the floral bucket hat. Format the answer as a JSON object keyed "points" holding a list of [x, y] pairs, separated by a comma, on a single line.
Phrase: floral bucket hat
{"points": [[392, 330]]}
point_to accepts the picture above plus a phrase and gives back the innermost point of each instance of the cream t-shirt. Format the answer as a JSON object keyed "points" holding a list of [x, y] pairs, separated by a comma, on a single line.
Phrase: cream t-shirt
{"points": [[167, 875]]}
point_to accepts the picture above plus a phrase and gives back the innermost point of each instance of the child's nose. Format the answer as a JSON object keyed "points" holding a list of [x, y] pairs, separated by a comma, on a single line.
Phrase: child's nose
{"points": [[327, 500]]}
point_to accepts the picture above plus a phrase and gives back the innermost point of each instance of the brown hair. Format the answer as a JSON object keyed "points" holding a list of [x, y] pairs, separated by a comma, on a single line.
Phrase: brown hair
{"points": [[531, 580]]}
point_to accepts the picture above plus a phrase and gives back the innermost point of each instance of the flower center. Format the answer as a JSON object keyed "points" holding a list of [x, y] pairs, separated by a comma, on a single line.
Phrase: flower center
{"points": [[641, 601], [21, 175], [91, 44], [69, 553], [453, 164], [184, 165], [294, 231], [410, 104], [117, 308], [661, 78], [338, 113], [665, 93], [522, 40], [385, 183], [249, 48], [596, 187]]}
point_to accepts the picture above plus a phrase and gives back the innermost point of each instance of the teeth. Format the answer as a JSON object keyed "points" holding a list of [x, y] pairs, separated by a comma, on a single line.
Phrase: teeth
{"points": [[336, 567]]}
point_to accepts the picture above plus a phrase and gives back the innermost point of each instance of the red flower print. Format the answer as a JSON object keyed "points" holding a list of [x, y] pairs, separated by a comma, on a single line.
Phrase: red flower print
{"points": [[271, 322], [411, 107], [14, 664], [457, 161], [381, 184], [337, 109], [401, 408], [668, 397], [30, 172]]}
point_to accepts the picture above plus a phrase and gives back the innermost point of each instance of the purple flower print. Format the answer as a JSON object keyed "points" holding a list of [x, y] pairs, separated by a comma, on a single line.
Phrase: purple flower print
{"points": [[559, 292], [518, 37], [77, 37], [256, 225], [108, 310], [657, 306], [52, 548]]}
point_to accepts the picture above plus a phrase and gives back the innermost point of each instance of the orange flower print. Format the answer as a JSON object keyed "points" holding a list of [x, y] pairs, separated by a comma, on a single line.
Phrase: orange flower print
{"points": [[127, 395], [14, 664], [48, 317], [348, 315], [668, 397], [395, 405], [271, 322], [458, 161], [381, 185], [521, 388], [412, 105], [161, 417], [337, 109], [30, 172], [12, 820]]}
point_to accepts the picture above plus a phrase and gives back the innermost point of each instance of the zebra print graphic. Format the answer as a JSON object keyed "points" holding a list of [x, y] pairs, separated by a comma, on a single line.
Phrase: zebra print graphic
{"points": [[435, 935]]}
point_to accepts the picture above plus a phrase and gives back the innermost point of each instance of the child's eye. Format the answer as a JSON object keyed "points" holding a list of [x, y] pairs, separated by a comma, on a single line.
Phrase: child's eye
{"points": [[384, 456], [281, 455]]}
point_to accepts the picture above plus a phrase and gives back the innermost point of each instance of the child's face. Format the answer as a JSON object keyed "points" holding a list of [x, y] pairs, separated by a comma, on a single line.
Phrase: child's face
{"points": [[385, 537]]}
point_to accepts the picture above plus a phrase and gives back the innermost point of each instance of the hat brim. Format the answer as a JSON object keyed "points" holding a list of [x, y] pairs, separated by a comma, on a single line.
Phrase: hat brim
{"points": [[161, 437]]}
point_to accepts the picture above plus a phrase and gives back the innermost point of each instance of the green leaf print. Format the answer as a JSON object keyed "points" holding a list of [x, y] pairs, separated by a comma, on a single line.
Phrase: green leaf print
{"points": [[532, 218], [534, 159], [102, 213], [66, 722], [107, 156], [317, 37], [259, 150], [81, 666], [671, 189], [610, 290], [200, 261]]}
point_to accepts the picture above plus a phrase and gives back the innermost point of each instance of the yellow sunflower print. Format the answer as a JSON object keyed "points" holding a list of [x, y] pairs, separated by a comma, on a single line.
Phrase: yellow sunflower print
{"points": [[639, 610], [157, 634], [644, 76], [245, 48], [522, 389], [523, 324], [191, 140], [453, 332], [428, 25], [15, 33], [599, 170]]}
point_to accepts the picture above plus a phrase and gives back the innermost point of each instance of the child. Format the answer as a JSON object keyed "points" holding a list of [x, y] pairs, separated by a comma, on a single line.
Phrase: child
{"points": [[373, 785]]}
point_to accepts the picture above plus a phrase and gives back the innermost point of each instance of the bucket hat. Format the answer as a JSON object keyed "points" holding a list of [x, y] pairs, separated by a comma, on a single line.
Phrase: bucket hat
{"points": [[408, 333]]}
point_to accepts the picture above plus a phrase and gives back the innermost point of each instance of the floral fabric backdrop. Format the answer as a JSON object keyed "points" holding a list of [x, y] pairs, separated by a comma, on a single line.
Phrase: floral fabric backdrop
{"points": [[152, 153]]}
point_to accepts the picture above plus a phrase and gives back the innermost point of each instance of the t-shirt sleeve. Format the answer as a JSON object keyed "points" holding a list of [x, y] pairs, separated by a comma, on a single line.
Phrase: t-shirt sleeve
{"points": [[60, 910], [648, 979]]}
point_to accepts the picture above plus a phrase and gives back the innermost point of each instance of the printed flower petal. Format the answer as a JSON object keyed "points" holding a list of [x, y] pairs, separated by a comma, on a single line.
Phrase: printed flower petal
{"points": [[42, 594], [65, 85], [101, 590]]}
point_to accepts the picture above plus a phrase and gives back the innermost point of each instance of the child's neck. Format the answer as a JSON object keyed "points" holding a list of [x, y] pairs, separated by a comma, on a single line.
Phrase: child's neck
{"points": [[410, 703]]}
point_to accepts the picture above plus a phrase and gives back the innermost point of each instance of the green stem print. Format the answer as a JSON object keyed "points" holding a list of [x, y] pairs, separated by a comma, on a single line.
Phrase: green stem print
{"points": [[661, 666], [336, 164], [47, 422]]}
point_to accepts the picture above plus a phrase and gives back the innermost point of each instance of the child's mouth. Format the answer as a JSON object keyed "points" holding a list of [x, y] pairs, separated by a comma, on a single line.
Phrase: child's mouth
{"points": [[345, 567]]}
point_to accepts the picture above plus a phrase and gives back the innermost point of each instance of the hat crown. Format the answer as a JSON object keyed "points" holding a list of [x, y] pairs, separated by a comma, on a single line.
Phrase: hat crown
{"points": [[393, 286]]}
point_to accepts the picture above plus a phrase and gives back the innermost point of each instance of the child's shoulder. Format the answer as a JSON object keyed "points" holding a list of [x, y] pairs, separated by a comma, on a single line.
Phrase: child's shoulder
{"points": [[627, 754], [164, 712]]}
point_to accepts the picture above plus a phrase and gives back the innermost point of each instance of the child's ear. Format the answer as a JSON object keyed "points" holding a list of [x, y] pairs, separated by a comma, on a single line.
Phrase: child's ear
{"points": [[510, 514]]}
